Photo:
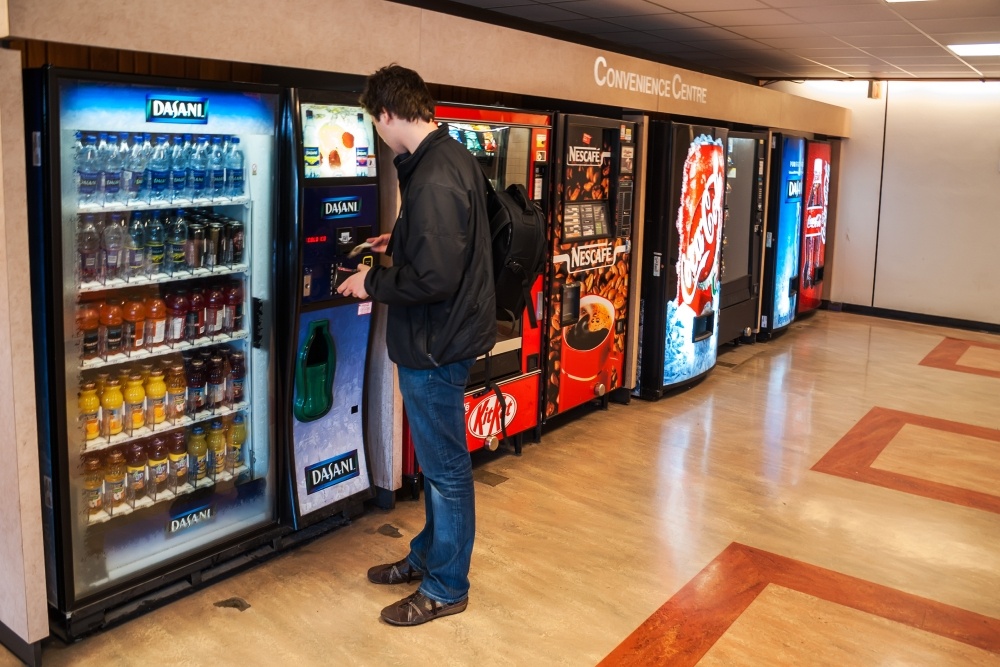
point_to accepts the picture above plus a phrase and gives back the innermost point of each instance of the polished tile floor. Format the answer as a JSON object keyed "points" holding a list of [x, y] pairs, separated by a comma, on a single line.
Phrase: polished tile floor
{"points": [[831, 497]]}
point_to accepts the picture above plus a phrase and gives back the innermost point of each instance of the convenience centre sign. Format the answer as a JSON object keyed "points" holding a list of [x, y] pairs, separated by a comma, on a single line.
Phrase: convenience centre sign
{"points": [[674, 88]]}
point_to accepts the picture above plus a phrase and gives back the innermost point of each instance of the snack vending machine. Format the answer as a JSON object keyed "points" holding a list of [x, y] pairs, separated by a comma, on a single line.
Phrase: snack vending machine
{"points": [[742, 234], [683, 240], [512, 146], [588, 271], [152, 222], [783, 236], [331, 207], [813, 261]]}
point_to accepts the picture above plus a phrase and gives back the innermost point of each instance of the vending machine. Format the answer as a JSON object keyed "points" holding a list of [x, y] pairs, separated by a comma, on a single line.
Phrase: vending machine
{"points": [[813, 261], [587, 288], [681, 285], [783, 237], [742, 235], [512, 147], [152, 211], [331, 207]]}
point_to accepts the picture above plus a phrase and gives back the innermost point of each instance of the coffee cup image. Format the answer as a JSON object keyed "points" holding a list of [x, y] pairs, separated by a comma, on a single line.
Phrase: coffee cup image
{"points": [[587, 343]]}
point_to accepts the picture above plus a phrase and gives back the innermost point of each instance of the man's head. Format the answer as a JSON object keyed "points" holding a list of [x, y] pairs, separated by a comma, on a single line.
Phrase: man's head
{"points": [[398, 91]]}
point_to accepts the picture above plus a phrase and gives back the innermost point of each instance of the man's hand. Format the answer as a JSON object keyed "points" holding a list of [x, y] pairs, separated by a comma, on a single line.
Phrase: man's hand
{"points": [[354, 285], [379, 243]]}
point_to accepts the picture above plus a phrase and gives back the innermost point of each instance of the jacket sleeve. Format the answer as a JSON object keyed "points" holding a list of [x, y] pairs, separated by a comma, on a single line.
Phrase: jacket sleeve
{"points": [[438, 228]]}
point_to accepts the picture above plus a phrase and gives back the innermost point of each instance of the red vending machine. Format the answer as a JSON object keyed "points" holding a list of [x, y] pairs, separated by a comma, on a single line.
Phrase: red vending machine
{"points": [[588, 273], [513, 148], [814, 214]]}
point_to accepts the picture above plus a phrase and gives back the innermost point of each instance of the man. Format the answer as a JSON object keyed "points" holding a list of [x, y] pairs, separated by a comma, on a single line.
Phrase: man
{"points": [[441, 317]]}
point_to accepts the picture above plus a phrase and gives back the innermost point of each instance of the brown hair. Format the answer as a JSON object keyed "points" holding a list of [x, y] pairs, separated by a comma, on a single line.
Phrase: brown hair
{"points": [[399, 91]]}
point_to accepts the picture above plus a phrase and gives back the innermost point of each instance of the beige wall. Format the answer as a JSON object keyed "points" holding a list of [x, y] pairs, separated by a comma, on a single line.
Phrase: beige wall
{"points": [[22, 565], [358, 36]]}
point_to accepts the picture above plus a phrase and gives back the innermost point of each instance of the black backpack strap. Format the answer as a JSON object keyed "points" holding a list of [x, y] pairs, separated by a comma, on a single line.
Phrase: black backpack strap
{"points": [[503, 407]]}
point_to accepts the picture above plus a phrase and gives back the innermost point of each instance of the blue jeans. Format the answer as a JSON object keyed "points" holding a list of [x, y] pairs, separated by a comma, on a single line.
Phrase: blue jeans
{"points": [[435, 408]]}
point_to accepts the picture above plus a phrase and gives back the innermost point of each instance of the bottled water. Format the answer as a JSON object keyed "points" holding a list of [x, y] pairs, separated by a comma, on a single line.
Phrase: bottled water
{"points": [[310, 146], [77, 143], [88, 171], [178, 169], [216, 170], [198, 175], [113, 246], [123, 147], [135, 241], [134, 173], [234, 170], [159, 171], [88, 242], [174, 259], [154, 241], [113, 162]]}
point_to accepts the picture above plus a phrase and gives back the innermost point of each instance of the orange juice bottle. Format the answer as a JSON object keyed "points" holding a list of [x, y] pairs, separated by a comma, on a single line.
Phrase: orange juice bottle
{"points": [[135, 402], [112, 408], [90, 410], [237, 438], [156, 398], [216, 442]]}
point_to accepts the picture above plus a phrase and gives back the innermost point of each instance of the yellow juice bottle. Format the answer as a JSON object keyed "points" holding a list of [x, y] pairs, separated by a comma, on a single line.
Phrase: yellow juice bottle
{"points": [[217, 447], [198, 451], [156, 398], [135, 402], [112, 408], [90, 410]]}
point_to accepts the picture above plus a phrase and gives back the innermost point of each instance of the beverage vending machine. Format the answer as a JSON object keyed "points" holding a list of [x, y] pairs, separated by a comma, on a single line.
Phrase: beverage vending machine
{"points": [[683, 240], [588, 273], [813, 261], [783, 236], [331, 207], [742, 235], [152, 221], [512, 147]]}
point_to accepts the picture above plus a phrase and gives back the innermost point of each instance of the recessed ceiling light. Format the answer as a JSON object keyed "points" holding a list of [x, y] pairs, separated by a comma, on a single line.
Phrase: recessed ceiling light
{"points": [[975, 49]]}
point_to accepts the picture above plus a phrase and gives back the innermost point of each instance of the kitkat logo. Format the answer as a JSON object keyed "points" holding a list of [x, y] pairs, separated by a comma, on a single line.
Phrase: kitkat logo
{"points": [[487, 418]]}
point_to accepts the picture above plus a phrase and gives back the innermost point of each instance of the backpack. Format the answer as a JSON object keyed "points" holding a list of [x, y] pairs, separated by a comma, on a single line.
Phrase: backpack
{"points": [[517, 230]]}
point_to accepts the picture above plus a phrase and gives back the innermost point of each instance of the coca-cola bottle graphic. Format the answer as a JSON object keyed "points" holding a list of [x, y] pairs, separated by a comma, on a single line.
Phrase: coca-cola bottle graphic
{"points": [[699, 223], [815, 210]]}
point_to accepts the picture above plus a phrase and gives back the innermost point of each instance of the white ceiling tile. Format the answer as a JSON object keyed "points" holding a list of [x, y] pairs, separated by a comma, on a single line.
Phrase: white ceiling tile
{"points": [[836, 52], [588, 26], [542, 13], [697, 34], [841, 13], [863, 41], [783, 4], [916, 11], [701, 5], [890, 51], [658, 22], [609, 8], [776, 31], [989, 24], [803, 42], [744, 17], [855, 28]]}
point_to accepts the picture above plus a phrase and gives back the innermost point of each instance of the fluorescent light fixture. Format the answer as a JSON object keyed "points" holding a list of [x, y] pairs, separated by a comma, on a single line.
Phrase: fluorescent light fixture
{"points": [[975, 49]]}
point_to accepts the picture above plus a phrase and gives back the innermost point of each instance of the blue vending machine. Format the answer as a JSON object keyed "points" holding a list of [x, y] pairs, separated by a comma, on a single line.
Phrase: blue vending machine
{"points": [[783, 236], [332, 207]]}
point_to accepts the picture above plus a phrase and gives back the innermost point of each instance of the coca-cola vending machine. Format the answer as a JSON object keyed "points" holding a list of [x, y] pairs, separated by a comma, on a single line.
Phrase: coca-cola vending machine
{"points": [[512, 146], [681, 284], [813, 258], [742, 235], [783, 236], [588, 273]]}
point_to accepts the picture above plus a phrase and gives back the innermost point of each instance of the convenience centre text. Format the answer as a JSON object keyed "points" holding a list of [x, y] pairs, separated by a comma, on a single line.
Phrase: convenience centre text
{"points": [[674, 88]]}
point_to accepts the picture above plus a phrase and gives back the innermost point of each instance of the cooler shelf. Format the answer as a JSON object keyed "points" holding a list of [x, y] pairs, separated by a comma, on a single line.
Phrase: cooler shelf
{"points": [[162, 350], [161, 278], [102, 443], [146, 206]]}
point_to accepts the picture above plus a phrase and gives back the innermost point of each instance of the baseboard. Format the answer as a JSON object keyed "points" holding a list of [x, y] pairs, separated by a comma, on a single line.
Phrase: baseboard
{"points": [[27, 652], [919, 318]]}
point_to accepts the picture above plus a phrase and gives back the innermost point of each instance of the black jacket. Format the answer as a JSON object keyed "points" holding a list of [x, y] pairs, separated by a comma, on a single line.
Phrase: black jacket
{"points": [[440, 287]]}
